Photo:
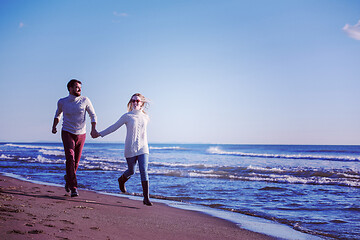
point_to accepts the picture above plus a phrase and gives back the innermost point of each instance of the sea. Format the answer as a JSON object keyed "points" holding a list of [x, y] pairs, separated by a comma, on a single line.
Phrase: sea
{"points": [[287, 191]]}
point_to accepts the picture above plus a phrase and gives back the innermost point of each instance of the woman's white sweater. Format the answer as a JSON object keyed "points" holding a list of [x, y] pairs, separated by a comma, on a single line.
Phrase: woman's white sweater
{"points": [[136, 135]]}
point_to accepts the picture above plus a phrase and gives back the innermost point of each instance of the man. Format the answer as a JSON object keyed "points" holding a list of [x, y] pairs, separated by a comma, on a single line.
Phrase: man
{"points": [[73, 134]]}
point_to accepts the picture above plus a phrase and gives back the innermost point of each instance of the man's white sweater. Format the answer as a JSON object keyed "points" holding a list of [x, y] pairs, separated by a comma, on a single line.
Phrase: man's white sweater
{"points": [[74, 110]]}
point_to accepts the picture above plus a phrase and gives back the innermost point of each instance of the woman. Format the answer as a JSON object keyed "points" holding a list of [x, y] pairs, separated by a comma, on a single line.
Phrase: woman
{"points": [[136, 145]]}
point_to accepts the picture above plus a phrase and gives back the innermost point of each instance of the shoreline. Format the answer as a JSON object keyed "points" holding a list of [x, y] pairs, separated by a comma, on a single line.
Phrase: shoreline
{"points": [[269, 229], [36, 211]]}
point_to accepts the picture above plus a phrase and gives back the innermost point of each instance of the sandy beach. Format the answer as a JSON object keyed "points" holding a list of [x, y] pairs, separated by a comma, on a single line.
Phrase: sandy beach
{"points": [[34, 211]]}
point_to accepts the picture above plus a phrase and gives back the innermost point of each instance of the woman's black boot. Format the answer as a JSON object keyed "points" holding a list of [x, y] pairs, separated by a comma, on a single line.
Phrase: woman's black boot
{"points": [[122, 180], [145, 186]]}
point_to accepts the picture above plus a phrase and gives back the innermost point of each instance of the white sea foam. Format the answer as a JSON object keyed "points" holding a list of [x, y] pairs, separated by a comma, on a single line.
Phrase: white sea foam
{"points": [[168, 164], [100, 167], [276, 175], [203, 174], [33, 146], [42, 159], [3, 156], [219, 151], [297, 180], [351, 176], [265, 169], [167, 148], [52, 152], [99, 159]]}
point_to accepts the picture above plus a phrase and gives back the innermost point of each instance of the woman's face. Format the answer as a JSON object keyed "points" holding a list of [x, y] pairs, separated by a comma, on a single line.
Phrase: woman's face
{"points": [[136, 102]]}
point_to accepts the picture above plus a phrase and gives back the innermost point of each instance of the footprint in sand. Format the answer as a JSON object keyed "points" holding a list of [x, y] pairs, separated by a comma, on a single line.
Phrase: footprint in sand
{"points": [[37, 190], [11, 210], [66, 221], [49, 225], [35, 231], [6, 197], [84, 207], [62, 238], [66, 229], [31, 215], [16, 232]]}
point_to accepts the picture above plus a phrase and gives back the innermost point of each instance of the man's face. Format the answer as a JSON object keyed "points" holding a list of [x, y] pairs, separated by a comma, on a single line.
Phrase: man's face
{"points": [[76, 90]]}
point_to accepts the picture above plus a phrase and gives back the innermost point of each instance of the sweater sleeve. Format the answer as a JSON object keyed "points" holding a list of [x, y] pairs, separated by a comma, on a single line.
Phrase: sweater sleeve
{"points": [[91, 111], [115, 126], [59, 110]]}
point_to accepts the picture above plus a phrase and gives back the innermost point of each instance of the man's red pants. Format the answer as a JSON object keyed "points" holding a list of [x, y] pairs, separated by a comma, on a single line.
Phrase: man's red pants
{"points": [[73, 145]]}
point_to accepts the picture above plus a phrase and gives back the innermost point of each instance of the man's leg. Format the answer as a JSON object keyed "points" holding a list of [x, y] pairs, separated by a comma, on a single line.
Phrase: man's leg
{"points": [[69, 148], [79, 145]]}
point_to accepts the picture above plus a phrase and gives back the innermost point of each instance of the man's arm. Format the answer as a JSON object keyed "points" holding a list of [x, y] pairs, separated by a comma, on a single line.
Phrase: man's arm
{"points": [[55, 123], [57, 117], [91, 111], [94, 133]]}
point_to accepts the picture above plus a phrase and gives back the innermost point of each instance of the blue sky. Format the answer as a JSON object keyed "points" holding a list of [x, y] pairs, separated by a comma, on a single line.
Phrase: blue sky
{"points": [[247, 72]]}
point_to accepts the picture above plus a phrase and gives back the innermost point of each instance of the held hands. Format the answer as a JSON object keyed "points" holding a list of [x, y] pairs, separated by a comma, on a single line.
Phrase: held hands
{"points": [[94, 134]]}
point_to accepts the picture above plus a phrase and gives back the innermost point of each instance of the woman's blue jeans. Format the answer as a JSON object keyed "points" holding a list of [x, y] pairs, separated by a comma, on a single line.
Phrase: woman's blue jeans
{"points": [[143, 160]]}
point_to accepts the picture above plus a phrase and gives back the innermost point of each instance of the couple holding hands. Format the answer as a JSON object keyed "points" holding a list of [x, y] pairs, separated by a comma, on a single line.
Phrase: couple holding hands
{"points": [[73, 134]]}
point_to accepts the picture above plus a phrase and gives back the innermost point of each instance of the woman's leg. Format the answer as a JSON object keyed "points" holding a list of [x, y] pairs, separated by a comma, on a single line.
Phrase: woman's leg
{"points": [[143, 160], [143, 166], [131, 162]]}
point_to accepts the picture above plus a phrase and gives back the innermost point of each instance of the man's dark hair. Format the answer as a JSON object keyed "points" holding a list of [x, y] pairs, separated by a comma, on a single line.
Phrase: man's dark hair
{"points": [[72, 82]]}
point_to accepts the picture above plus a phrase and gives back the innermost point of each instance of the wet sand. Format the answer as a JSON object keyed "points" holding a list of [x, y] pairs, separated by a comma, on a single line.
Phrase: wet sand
{"points": [[34, 211]]}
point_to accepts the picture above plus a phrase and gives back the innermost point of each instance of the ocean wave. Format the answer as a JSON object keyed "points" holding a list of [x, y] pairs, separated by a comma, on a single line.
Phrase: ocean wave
{"points": [[333, 151], [107, 160], [34, 159], [298, 180], [353, 209], [289, 176], [166, 148], [273, 189], [52, 152], [3, 156], [301, 171], [184, 165], [265, 169], [219, 151], [34, 146], [99, 168], [42, 159]]}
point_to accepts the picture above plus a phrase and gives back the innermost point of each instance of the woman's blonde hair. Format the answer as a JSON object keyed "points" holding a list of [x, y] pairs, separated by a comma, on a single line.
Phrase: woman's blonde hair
{"points": [[144, 102]]}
